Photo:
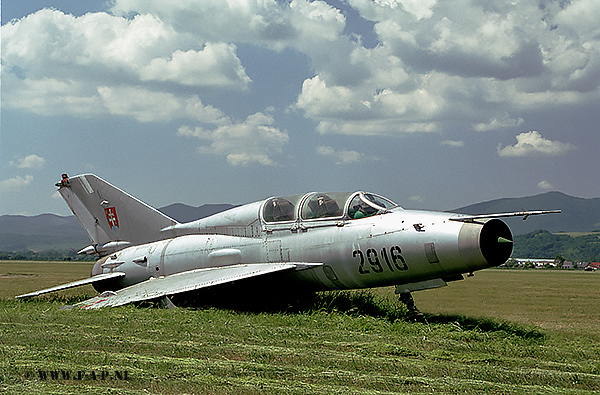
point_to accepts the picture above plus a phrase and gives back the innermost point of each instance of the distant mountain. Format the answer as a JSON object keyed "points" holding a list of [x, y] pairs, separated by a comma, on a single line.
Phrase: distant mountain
{"points": [[578, 214], [49, 231], [184, 213], [41, 232]]}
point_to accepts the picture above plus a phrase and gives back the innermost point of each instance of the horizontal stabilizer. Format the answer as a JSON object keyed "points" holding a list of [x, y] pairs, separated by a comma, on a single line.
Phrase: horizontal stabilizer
{"points": [[90, 280], [184, 282]]}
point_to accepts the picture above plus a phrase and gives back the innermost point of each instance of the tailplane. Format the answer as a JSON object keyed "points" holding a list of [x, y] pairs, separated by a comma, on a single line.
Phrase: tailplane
{"points": [[112, 218]]}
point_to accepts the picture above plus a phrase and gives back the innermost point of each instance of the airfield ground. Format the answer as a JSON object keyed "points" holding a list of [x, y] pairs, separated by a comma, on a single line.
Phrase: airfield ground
{"points": [[500, 332]]}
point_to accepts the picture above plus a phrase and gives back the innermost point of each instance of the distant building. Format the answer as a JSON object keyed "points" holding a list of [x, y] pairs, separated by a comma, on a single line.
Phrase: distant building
{"points": [[567, 265], [593, 266], [537, 263], [540, 263]]}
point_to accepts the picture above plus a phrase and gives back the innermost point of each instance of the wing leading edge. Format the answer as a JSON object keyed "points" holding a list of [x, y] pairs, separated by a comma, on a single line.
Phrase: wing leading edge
{"points": [[524, 214], [78, 283], [184, 282]]}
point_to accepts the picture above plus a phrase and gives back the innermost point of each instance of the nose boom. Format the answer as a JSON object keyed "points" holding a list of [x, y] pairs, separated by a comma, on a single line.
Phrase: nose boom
{"points": [[487, 245]]}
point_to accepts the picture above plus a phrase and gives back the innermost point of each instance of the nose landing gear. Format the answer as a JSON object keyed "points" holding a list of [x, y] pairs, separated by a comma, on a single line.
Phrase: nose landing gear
{"points": [[413, 313]]}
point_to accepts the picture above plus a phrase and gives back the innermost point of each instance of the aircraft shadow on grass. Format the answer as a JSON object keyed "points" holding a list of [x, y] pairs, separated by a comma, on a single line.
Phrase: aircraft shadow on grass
{"points": [[351, 303]]}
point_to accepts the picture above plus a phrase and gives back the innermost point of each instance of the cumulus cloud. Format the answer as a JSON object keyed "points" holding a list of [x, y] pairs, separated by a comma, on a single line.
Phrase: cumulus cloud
{"points": [[270, 22], [343, 157], [545, 185], [435, 62], [253, 141], [29, 162], [146, 105], [439, 61], [533, 144], [343, 110], [54, 63], [15, 184], [499, 122], [453, 143], [139, 103], [198, 68]]}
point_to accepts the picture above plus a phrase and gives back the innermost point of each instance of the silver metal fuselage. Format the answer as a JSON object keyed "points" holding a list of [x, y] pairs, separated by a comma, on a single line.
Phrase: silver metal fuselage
{"points": [[392, 248]]}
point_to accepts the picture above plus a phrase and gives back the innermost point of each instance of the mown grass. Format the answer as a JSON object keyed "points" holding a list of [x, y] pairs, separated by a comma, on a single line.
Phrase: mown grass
{"points": [[565, 301], [349, 342]]}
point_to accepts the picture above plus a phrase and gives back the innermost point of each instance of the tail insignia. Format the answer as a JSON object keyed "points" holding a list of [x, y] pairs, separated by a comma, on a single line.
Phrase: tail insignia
{"points": [[111, 217]]}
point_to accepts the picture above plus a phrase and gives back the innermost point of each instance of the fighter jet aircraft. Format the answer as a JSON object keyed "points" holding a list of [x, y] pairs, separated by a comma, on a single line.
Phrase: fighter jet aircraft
{"points": [[315, 241]]}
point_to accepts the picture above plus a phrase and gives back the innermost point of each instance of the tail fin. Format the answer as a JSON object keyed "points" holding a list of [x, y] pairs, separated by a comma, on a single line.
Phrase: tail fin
{"points": [[109, 215]]}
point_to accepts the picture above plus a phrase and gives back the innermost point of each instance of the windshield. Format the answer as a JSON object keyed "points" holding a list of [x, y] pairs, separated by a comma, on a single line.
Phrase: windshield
{"points": [[367, 204]]}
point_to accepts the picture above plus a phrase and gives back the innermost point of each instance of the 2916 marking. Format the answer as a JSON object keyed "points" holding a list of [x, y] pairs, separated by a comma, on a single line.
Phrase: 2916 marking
{"points": [[391, 261]]}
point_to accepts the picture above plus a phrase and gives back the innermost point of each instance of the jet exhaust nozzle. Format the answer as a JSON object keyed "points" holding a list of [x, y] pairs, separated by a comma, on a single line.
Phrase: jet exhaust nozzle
{"points": [[104, 285]]}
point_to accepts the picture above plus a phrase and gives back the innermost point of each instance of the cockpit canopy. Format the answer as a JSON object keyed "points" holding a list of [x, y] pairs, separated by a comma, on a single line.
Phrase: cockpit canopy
{"points": [[317, 205]]}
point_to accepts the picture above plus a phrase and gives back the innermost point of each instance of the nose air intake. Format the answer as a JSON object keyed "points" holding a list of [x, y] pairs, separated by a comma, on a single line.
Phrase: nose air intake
{"points": [[495, 240], [487, 245]]}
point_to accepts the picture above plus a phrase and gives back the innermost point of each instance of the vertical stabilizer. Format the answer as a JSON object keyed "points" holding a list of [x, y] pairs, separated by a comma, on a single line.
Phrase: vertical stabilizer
{"points": [[109, 214]]}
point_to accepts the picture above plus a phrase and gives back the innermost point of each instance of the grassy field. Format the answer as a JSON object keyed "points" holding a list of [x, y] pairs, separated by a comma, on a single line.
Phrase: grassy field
{"points": [[500, 332]]}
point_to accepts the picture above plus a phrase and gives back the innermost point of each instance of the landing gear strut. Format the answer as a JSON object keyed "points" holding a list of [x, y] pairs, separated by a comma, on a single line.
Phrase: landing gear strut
{"points": [[409, 302], [165, 303]]}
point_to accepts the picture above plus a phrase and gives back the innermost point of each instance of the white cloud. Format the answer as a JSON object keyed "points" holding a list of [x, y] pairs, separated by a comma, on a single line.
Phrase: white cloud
{"points": [[57, 64], [50, 96], [150, 106], [15, 184], [499, 122], [438, 62], [51, 44], [267, 22], [215, 66], [343, 110], [196, 110], [253, 141], [29, 162], [545, 185], [435, 62], [343, 157], [532, 143], [417, 199], [139, 103], [453, 143]]}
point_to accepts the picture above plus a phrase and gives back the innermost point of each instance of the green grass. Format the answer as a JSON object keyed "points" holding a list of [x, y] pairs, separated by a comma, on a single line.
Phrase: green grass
{"points": [[346, 343], [565, 301]]}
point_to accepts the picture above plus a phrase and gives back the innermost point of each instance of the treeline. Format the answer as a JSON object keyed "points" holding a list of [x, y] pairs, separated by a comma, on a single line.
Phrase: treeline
{"points": [[48, 255], [545, 245]]}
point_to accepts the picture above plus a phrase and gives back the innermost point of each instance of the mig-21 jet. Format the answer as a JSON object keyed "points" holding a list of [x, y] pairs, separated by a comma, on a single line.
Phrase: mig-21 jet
{"points": [[315, 241]]}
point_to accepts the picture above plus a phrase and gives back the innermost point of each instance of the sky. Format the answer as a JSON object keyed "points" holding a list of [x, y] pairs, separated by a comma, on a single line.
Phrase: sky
{"points": [[433, 104]]}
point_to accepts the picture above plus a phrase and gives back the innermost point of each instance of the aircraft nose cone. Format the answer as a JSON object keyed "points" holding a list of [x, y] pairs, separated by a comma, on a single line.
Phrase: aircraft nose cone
{"points": [[487, 245]]}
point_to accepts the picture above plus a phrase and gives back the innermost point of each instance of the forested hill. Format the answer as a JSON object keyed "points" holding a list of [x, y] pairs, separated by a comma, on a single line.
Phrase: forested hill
{"points": [[545, 245]]}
